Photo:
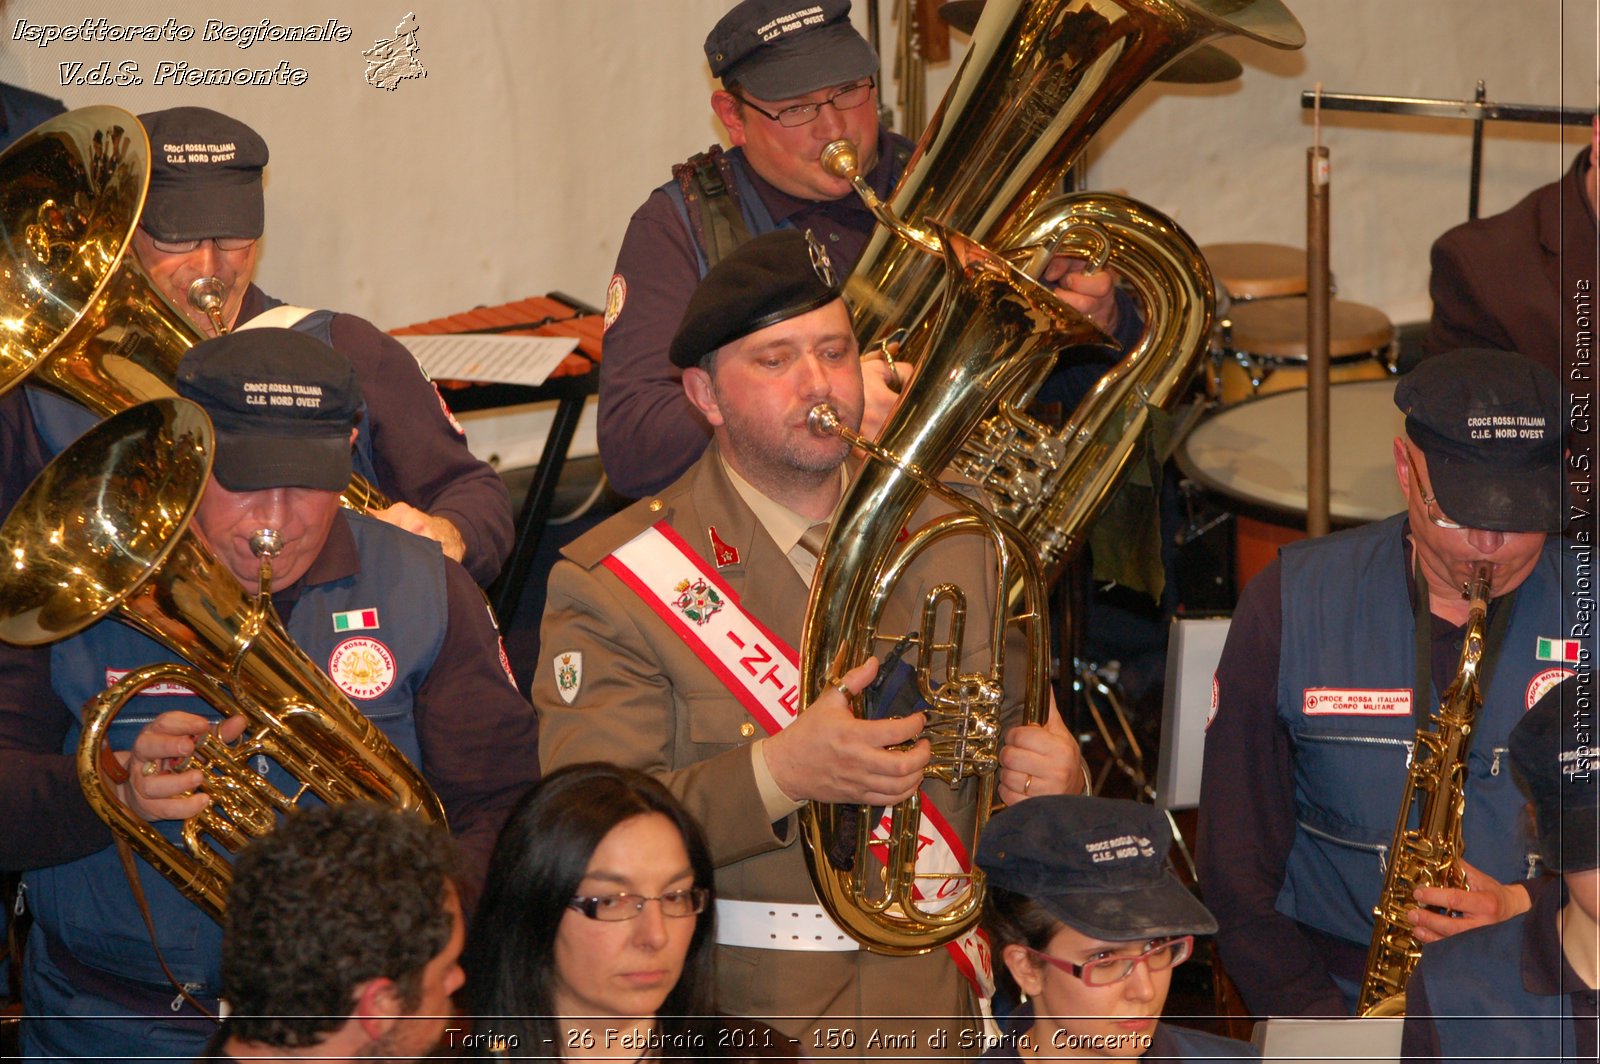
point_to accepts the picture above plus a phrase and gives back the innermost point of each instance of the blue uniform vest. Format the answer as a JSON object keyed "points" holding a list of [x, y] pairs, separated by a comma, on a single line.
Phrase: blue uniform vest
{"points": [[1479, 1006], [1347, 624], [756, 216], [86, 905], [59, 420]]}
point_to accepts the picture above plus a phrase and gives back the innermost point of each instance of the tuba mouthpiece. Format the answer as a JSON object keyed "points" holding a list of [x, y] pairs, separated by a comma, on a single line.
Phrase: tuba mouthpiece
{"points": [[823, 420], [839, 158], [266, 542], [206, 294]]}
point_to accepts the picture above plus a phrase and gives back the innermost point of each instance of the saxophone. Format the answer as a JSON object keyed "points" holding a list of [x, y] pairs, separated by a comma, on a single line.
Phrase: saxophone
{"points": [[1426, 855]]}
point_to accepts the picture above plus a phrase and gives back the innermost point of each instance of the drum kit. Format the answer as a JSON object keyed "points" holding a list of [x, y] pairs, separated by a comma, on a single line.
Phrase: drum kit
{"points": [[1251, 447]]}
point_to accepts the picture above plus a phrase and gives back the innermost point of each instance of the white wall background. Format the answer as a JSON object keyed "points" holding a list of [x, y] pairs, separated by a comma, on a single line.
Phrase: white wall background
{"points": [[513, 166]]}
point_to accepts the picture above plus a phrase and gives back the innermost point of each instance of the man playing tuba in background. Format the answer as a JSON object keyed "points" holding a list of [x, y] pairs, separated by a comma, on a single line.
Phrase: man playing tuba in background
{"points": [[405, 635], [1340, 650], [795, 76], [627, 675]]}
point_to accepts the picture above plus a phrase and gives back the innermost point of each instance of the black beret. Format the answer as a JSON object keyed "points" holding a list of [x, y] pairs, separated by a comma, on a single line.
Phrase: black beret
{"points": [[770, 279]]}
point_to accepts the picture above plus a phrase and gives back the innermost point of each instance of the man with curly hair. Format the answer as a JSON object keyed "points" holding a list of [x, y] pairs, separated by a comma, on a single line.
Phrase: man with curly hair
{"points": [[342, 939]]}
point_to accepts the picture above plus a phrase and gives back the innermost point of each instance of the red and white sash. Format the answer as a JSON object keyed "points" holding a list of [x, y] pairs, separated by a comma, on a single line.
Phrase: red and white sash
{"points": [[763, 673]]}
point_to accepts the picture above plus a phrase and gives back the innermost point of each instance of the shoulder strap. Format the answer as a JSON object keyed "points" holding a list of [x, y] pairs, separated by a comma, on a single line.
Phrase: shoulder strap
{"points": [[711, 197], [282, 316]]}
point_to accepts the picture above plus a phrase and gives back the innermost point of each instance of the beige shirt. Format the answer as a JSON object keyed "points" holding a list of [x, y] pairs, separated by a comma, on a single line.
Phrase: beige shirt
{"points": [[785, 527]]}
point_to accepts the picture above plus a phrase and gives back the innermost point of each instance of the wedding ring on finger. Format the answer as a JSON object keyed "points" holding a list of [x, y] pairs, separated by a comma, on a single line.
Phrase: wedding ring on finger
{"points": [[842, 689], [1027, 785], [150, 768]]}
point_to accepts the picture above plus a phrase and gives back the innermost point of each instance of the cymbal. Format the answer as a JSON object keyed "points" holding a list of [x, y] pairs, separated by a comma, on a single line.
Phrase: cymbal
{"points": [[1203, 66]]}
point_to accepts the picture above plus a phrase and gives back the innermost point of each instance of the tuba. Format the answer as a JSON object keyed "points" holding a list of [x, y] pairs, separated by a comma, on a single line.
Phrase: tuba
{"points": [[105, 529], [942, 270], [82, 318], [1426, 855]]}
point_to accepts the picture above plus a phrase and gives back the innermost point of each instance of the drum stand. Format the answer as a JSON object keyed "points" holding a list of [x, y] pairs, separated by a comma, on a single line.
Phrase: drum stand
{"points": [[1096, 693]]}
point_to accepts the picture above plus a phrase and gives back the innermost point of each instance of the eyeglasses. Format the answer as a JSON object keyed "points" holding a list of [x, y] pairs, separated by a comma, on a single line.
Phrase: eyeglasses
{"points": [[183, 247], [1430, 505], [845, 99], [1108, 971], [622, 906]]}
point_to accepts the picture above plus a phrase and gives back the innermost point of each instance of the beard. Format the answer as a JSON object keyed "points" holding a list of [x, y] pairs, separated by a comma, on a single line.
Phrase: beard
{"points": [[773, 454]]}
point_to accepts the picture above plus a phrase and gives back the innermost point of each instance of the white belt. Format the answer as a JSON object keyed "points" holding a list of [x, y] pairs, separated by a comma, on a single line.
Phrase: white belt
{"points": [[775, 925]]}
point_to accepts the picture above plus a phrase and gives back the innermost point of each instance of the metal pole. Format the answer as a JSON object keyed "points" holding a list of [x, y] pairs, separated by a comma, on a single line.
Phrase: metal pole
{"points": [[1318, 299], [1477, 157]]}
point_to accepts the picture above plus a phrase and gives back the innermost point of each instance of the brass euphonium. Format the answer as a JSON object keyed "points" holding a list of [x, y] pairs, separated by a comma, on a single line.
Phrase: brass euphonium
{"points": [[105, 530], [1427, 855], [78, 315], [995, 326], [1040, 78]]}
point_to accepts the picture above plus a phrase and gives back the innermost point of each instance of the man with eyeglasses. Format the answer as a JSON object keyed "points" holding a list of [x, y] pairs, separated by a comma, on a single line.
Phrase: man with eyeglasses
{"points": [[1338, 653], [795, 76], [203, 218], [1087, 922]]}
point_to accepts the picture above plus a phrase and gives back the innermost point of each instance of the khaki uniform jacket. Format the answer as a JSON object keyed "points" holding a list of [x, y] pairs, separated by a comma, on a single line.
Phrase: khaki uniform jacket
{"points": [[647, 701]]}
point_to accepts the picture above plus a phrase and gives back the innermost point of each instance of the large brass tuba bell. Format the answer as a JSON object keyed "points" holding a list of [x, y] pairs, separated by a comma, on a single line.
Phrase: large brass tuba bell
{"points": [[78, 314], [105, 530], [1040, 78]]}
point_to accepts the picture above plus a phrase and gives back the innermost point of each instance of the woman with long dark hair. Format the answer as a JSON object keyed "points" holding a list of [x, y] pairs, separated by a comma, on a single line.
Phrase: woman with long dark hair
{"points": [[596, 931]]}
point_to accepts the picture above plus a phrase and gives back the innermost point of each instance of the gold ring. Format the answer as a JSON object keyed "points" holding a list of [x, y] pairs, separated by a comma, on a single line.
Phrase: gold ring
{"points": [[894, 372], [842, 689], [150, 768], [1027, 784]]}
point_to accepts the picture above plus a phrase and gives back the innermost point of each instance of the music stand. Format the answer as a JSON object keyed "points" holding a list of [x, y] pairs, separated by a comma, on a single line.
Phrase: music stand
{"points": [[1193, 650]]}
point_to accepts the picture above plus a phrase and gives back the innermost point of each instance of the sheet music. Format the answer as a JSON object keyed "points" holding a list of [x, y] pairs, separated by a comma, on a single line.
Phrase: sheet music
{"points": [[490, 359]]}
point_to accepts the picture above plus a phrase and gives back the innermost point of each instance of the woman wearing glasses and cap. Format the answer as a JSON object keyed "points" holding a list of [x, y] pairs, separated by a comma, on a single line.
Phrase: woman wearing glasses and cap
{"points": [[1088, 924], [596, 931]]}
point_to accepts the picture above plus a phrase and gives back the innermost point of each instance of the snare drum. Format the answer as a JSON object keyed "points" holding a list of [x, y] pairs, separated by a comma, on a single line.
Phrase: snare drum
{"points": [[1255, 453], [1263, 347]]}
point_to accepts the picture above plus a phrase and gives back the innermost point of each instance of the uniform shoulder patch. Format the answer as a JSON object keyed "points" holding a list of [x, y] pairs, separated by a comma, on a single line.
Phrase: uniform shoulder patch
{"points": [[568, 667], [616, 296]]}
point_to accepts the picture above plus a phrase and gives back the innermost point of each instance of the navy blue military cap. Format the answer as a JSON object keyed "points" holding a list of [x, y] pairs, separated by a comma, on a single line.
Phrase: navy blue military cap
{"points": [[205, 176], [778, 49], [1553, 750], [1099, 865], [1490, 425], [283, 404]]}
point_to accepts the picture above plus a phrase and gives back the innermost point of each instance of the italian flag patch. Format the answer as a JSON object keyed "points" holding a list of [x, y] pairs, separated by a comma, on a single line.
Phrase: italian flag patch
{"points": [[358, 620], [1562, 650]]}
